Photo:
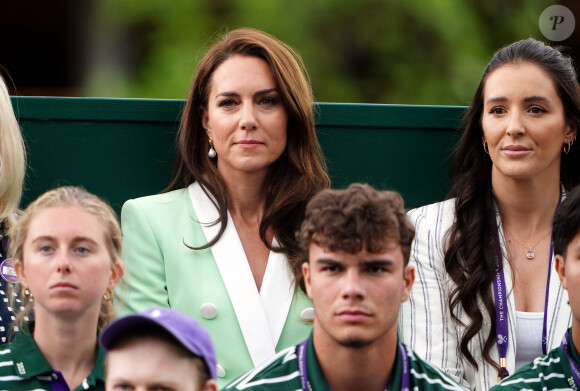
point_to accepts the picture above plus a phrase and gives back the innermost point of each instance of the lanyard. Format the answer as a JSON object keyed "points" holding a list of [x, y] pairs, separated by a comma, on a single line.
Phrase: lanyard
{"points": [[565, 346], [405, 380], [501, 309]]}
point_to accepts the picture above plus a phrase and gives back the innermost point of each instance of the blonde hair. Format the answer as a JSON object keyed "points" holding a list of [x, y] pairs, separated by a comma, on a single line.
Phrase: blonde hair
{"points": [[12, 159], [62, 197]]}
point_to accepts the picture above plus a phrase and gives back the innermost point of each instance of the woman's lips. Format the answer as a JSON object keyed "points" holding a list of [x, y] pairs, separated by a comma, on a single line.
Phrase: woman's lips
{"points": [[248, 144], [516, 150], [63, 286]]}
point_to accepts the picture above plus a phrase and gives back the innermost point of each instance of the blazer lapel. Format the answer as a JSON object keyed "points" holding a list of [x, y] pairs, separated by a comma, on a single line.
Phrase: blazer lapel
{"points": [[235, 271], [277, 292]]}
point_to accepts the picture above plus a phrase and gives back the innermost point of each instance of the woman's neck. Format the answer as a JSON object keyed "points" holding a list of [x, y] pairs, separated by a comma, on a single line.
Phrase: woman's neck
{"points": [[69, 345], [247, 196], [526, 206]]}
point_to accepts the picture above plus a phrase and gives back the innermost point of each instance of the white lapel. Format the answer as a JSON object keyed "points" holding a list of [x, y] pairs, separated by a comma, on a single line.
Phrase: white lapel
{"points": [[261, 316], [277, 292]]}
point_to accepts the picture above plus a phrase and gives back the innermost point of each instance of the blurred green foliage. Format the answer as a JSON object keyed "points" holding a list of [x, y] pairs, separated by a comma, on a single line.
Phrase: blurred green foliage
{"points": [[365, 51]]}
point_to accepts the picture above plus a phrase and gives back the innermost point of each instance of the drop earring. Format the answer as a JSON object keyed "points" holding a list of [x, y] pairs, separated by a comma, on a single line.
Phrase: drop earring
{"points": [[212, 153]]}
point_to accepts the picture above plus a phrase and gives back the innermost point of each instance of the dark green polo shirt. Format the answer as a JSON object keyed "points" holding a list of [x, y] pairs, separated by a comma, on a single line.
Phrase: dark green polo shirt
{"points": [[548, 372], [281, 373], [24, 368]]}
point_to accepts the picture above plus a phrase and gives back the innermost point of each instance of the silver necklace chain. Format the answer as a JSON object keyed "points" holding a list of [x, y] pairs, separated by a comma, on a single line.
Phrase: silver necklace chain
{"points": [[530, 254]]}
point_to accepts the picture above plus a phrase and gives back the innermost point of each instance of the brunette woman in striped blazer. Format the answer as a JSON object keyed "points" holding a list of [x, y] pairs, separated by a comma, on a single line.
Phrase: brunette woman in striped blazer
{"points": [[486, 298]]}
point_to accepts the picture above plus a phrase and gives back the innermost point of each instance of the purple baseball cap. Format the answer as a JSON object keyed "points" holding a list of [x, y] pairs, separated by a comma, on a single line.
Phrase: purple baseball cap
{"points": [[193, 336]]}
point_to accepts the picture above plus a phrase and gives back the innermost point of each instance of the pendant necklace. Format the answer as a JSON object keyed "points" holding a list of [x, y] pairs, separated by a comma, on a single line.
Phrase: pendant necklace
{"points": [[530, 254], [501, 307]]}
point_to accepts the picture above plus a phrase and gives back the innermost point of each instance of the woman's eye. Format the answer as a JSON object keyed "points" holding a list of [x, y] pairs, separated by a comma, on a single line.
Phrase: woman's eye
{"points": [[227, 103], [497, 110], [45, 249], [268, 101], [537, 110], [82, 250]]}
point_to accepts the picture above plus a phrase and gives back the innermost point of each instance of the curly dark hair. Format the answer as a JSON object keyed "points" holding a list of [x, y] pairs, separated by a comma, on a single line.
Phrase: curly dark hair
{"points": [[472, 240], [357, 218]]}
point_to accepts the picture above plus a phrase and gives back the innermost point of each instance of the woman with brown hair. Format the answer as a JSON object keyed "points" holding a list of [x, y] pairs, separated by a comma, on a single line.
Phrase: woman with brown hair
{"points": [[486, 299], [220, 244]]}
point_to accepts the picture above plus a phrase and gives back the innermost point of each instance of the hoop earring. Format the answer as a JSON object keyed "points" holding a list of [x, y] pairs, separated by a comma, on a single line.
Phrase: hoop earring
{"points": [[26, 293], [569, 145], [212, 153], [485, 147], [109, 294]]}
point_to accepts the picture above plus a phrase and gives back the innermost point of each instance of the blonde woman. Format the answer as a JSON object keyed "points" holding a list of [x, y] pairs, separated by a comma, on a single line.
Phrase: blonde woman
{"points": [[12, 168], [66, 248]]}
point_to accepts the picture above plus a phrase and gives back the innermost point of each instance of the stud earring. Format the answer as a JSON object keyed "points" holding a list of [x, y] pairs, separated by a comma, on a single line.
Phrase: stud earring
{"points": [[212, 153], [26, 293]]}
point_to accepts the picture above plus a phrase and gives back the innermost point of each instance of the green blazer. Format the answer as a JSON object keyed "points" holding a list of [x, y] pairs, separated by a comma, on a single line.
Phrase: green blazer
{"points": [[214, 285]]}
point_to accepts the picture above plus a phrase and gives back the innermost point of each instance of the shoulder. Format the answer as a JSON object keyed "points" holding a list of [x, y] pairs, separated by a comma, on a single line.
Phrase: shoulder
{"points": [[9, 361], [159, 200], [6, 351], [437, 213], [428, 377], [545, 372], [432, 223], [158, 207], [278, 373]]}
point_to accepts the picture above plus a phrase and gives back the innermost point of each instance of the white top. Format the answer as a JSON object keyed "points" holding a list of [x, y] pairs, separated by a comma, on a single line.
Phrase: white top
{"points": [[529, 327]]}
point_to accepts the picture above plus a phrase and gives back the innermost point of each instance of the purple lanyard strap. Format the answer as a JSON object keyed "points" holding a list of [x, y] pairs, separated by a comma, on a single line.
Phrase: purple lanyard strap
{"points": [[405, 380], [501, 310], [565, 346]]}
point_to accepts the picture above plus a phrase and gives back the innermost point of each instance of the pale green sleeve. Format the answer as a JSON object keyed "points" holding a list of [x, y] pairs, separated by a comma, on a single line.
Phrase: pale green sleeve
{"points": [[144, 284]]}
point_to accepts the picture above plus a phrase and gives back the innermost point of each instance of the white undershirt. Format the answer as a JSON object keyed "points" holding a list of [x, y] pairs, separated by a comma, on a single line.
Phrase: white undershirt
{"points": [[529, 327]]}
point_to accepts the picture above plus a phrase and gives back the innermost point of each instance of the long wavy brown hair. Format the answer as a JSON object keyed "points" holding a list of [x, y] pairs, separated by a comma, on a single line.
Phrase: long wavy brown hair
{"points": [[298, 174], [472, 240]]}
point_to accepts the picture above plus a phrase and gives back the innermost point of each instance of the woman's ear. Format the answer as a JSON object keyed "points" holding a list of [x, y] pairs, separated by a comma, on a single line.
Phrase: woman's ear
{"points": [[117, 272], [205, 122], [571, 132], [19, 270]]}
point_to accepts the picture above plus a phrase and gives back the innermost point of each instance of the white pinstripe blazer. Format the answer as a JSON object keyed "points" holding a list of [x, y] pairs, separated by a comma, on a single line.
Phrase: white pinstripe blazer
{"points": [[425, 323]]}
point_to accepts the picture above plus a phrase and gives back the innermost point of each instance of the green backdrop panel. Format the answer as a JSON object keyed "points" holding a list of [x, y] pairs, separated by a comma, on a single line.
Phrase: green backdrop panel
{"points": [[123, 148]]}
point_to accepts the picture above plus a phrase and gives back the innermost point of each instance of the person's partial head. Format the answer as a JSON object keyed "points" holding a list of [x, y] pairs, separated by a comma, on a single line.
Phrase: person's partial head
{"points": [[526, 56], [12, 158], [300, 150], [66, 249], [566, 242], [358, 242], [158, 348]]}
